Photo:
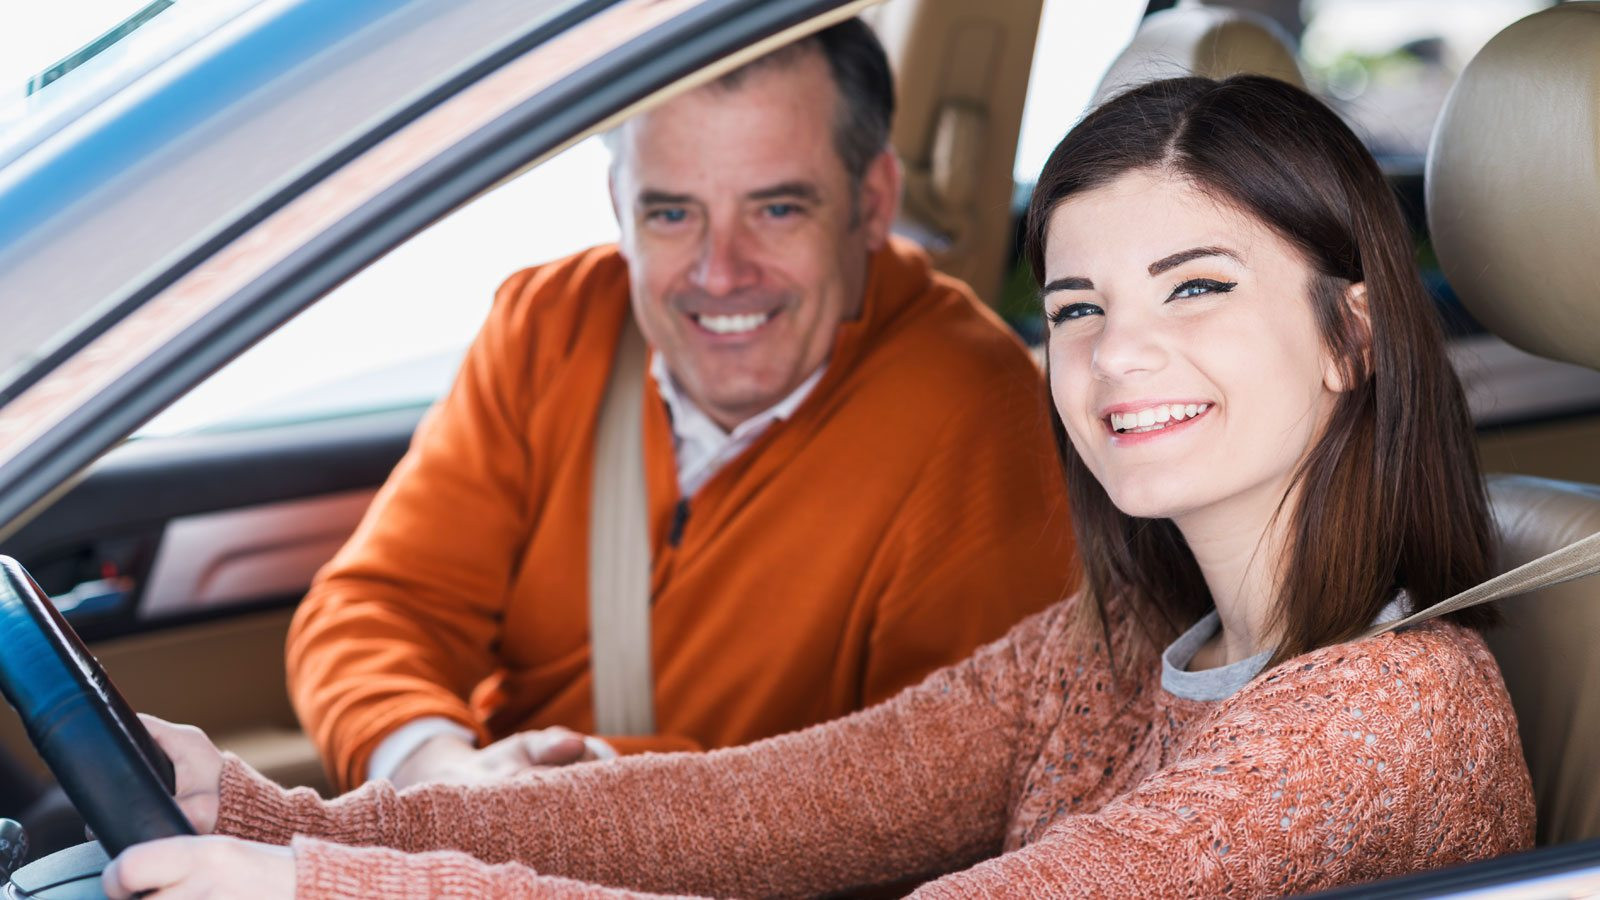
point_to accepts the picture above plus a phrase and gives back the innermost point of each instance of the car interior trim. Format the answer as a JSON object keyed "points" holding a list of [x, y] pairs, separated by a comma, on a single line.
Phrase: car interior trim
{"points": [[235, 556]]}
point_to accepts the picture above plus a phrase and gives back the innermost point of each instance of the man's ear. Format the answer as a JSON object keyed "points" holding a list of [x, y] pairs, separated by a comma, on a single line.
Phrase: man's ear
{"points": [[1340, 374], [880, 198], [612, 191], [615, 189]]}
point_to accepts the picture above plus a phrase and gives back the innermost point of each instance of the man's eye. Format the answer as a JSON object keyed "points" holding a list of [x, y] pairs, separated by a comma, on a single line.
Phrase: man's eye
{"points": [[1196, 287], [667, 215], [1075, 311], [782, 210]]}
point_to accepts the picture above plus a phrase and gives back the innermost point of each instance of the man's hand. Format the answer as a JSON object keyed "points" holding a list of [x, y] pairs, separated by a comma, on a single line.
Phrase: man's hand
{"points": [[197, 764], [449, 759], [172, 868]]}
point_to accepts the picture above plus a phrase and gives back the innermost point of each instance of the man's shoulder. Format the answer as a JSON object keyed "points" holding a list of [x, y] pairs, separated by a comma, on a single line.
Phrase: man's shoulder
{"points": [[563, 307], [566, 282], [944, 342]]}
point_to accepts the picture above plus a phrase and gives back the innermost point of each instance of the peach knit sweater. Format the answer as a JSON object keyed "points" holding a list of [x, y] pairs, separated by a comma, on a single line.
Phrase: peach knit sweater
{"points": [[1032, 769]]}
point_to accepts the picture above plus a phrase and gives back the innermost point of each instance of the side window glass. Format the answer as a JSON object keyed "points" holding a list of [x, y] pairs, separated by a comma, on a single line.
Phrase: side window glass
{"points": [[1387, 67], [392, 336], [1076, 45]]}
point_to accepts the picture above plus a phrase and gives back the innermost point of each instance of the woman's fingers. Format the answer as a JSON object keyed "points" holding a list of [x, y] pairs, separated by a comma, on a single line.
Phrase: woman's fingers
{"points": [[152, 866], [213, 866], [198, 767]]}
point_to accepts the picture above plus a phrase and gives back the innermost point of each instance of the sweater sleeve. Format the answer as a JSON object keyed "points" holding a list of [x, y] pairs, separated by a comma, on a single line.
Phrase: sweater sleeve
{"points": [[402, 623], [911, 787], [328, 871], [1344, 769]]}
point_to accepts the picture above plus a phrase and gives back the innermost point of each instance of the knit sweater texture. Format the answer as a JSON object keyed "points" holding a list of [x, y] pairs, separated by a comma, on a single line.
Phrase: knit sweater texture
{"points": [[1041, 766], [910, 510]]}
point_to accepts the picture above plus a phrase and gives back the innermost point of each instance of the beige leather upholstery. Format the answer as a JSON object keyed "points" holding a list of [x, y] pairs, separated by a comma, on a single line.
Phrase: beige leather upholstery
{"points": [[1514, 208], [1209, 41], [1514, 184], [962, 74], [1548, 652]]}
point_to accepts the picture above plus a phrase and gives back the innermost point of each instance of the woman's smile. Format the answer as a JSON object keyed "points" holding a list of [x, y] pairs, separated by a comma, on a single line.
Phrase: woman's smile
{"points": [[1141, 422]]}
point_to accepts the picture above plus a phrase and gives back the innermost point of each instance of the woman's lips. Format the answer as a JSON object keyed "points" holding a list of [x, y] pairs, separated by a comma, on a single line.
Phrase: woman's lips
{"points": [[1136, 424]]}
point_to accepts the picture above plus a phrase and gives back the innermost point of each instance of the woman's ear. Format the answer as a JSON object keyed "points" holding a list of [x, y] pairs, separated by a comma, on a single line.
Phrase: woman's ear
{"points": [[1341, 374]]}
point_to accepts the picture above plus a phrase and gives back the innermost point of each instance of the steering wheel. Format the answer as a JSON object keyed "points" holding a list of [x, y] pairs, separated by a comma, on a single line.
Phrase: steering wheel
{"points": [[103, 756]]}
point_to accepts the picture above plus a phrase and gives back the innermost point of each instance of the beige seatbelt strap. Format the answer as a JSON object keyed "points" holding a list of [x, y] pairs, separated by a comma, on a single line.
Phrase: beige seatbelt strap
{"points": [[619, 551], [1576, 560]]}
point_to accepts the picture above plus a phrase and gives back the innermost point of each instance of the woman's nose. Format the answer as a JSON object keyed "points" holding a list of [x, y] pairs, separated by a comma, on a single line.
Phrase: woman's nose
{"points": [[1128, 345]]}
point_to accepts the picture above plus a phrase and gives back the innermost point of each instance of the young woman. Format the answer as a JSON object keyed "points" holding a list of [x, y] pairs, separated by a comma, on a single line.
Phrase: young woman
{"points": [[1268, 452]]}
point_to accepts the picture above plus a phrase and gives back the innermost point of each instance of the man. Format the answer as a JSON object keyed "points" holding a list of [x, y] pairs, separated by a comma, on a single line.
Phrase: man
{"points": [[850, 476]]}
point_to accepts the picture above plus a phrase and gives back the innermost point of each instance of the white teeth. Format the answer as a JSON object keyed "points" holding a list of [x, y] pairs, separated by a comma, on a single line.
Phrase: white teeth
{"points": [[1155, 418], [732, 324]]}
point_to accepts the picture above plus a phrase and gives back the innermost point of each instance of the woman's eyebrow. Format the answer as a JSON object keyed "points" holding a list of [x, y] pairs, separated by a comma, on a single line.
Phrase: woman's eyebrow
{"points": [[1183, 256], [1071, 283]]}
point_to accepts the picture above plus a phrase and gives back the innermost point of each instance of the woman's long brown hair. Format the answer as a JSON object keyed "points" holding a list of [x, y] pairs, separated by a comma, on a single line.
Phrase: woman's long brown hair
{"points": [[1390, 496]]}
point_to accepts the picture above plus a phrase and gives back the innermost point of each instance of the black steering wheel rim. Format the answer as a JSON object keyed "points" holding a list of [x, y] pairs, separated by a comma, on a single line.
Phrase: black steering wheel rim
{"points": [[99, 751]]}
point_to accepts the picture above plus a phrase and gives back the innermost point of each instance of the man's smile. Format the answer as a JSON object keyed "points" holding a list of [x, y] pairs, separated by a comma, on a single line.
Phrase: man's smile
{"points": [[734, 324]]}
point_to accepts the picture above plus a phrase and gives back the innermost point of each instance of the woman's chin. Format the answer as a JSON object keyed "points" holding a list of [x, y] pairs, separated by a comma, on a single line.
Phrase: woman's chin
{"points": [[1145, 503]]}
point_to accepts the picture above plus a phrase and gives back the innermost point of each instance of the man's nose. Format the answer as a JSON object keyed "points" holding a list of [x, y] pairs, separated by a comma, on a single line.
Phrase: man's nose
{"points": [[1129, 345], [725, 264]]}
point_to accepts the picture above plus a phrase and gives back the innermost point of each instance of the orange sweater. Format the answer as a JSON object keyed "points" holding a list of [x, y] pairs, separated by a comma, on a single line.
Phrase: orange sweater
{"points": [[908, 511], [1030, 770]]}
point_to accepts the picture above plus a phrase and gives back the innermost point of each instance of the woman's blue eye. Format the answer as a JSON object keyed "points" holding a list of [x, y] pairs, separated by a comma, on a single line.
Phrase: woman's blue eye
{"points": [[1196, 287], [1075, 311]]}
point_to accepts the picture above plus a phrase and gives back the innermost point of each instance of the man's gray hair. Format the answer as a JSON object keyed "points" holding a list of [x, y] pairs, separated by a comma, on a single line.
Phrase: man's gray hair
{"points": [[860, 71]]}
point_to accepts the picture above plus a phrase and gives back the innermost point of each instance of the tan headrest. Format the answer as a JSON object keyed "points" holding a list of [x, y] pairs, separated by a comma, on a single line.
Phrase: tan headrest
{"points": [[1209, 41], [1514, 184]]}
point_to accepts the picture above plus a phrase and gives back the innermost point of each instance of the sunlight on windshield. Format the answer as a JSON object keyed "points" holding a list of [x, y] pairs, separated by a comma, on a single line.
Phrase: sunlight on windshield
{"points": [[39, 35], [59, 59]]}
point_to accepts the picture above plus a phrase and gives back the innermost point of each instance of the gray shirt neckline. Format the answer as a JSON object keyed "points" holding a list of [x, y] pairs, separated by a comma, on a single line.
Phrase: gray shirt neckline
{"points": [[1222, 682]]}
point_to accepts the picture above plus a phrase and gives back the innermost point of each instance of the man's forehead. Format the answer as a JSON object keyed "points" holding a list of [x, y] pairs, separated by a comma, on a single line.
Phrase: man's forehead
{"points": [[775, 125]]}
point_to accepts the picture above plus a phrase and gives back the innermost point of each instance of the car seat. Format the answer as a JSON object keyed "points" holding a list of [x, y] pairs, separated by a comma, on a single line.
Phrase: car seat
{"points": [[1513, 197], [1209, 41]]}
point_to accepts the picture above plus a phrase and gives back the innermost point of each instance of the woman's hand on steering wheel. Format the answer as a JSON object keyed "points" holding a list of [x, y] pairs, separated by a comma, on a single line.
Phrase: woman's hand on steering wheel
{"points": [[197, 765], [211, 867]]}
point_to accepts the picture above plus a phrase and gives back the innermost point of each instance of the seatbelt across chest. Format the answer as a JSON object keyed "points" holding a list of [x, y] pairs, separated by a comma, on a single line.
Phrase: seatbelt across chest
{"points": [[1578, 559], [619, 551]]}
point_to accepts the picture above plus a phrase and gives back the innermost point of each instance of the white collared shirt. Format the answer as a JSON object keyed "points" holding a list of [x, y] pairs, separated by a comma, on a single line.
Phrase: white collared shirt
{"points": [[699, 444], [701, 448]]}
